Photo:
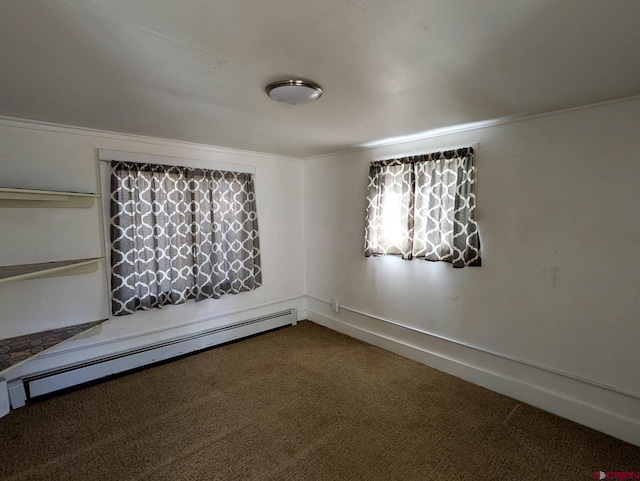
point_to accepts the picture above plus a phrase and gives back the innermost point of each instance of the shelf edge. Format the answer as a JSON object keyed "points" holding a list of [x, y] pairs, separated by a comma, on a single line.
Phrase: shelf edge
{"points": [[17, 198], [83, 267]]}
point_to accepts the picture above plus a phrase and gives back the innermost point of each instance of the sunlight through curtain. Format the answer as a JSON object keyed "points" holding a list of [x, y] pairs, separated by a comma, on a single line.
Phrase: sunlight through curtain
{"points": [[424, 206]]}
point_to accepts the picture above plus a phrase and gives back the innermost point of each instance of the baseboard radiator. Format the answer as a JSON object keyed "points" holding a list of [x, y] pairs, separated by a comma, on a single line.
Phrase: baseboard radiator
{"points": [[68, 376]]}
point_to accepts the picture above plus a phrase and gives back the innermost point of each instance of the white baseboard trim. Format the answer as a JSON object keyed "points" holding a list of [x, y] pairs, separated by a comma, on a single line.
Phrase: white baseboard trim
{"points": [[604, 410]]}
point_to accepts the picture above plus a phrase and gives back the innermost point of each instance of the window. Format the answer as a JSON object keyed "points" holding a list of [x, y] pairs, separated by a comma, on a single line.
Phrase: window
{"points": [[424, 206], [180, 233]]}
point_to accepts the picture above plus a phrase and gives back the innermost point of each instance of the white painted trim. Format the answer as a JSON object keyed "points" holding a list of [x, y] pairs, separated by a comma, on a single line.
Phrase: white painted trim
{"points": [[604, 410], [43, 126], [525, 362], [455, 129], [17, 394], [20, 123], [105, 155]]}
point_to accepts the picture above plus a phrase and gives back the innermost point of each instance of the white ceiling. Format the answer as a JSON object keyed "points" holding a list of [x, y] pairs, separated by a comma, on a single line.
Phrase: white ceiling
{"points": [[195, 70]]}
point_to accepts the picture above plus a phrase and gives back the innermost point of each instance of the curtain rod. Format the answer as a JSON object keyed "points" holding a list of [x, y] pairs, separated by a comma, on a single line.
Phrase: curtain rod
{"points": [[218, 168], [107, 156], [473, 145]]}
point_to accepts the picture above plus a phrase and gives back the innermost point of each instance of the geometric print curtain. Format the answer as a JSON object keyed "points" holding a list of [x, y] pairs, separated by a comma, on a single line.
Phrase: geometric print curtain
{"points": [[424, 206], [180, 233]]}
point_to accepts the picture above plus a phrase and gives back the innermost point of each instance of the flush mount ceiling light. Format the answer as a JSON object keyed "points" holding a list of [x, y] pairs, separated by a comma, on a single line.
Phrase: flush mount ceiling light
{"points": [[294, 92]]}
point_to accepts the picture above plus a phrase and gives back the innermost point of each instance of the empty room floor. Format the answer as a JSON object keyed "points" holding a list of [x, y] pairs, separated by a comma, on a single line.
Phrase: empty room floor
{"points": [[301, 402]]}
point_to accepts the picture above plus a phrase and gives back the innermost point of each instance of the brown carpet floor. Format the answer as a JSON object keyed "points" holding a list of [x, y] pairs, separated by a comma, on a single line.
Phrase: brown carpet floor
{"points": [[300, 403]]}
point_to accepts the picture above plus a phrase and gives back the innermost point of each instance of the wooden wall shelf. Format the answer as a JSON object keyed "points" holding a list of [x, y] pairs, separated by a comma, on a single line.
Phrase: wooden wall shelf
{"points": [[10, 197], [48, 269], [16, 350]]}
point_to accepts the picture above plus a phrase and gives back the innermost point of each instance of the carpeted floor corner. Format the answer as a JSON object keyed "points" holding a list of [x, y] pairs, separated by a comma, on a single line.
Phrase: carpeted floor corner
{"points": [[299, 403]]}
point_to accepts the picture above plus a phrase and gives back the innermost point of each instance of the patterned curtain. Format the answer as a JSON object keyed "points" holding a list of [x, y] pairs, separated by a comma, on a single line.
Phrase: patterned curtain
{"points": [[424, 206], [180, 233]]}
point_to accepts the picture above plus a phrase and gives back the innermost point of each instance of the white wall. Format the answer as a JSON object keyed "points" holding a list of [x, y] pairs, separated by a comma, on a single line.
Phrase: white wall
{"points": [[557, 209], [551, 318], [56, 158]]}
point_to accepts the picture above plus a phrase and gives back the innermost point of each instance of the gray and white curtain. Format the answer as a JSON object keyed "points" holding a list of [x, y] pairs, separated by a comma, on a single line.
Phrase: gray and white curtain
{"points": [[424, 206], [180, 233]]}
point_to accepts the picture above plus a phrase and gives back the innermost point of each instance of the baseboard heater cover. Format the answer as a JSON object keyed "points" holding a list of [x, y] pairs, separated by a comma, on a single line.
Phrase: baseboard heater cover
{"points": [[68, 376]]}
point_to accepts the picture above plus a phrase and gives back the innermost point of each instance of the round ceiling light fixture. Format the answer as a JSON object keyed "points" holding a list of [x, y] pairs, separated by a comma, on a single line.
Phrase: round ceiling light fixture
{"points": [[294, 92]]}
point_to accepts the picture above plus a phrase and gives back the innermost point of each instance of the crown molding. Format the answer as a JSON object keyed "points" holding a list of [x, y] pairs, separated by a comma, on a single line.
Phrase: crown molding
{"points": [[40, 125], [483, 124], [16, 122]]}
